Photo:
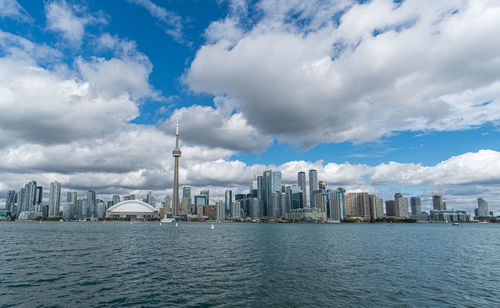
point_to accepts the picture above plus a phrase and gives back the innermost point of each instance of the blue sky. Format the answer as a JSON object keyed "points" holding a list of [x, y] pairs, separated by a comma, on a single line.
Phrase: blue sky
{"points": [[348, 87]]}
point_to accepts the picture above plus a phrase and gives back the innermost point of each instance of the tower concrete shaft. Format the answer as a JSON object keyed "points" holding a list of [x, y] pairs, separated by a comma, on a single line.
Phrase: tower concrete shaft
{"points": [[176, 153]]}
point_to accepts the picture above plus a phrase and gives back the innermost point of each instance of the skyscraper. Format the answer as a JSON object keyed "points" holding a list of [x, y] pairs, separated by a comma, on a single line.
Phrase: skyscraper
{"points": [[228, 197], [336, 204], [302, 184], [54, 198], [206, 193], [272, 181], [71, 197], [150, 199], [11, 200], [437, 202], [176, 153], [357, 205], [313, 185], [186, 192], [482, 208], [401, 206], [116, 199], [91, 204], [416, 205]]}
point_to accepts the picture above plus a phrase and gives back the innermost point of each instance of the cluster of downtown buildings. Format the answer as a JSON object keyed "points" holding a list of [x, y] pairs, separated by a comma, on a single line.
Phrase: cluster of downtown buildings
{"points": [[269, 199]]}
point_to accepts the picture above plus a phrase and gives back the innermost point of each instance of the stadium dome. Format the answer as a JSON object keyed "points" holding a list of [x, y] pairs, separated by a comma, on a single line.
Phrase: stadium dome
{"points": [[133, 209]]}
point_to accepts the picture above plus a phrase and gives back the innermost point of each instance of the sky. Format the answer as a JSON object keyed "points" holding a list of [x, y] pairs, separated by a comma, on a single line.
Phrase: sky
{"points": [[380, 96]]}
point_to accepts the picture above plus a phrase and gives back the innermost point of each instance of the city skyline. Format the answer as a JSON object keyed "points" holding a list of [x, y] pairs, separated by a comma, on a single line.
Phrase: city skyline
{"points": [[287, 87]]}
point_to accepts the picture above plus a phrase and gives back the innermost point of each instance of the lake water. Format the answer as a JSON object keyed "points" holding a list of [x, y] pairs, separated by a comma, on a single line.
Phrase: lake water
{"points": [[295, 265]]}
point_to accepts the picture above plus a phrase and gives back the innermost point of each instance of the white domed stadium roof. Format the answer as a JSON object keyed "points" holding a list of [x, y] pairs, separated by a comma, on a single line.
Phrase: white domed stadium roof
{"points": [[132, 206]]}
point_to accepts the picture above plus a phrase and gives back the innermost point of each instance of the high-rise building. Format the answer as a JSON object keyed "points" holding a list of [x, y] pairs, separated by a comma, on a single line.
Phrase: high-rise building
{"points": [[321, 202], [313, 185], [150, 199], [29, 197], [235, 210], [416, 205], [401, 206], [260, 187], [200, 200], [71, 197], [390, 210], [129, 197], [302, 184], [228, 198], [206, 193], [376, 207], [322, 186], [186, 192], [482, 208], [336, 205], [357, 205], [54, 198], [91, 204], [39, 195], [185, 207], [437, 203], [220, 212], [168, 209], [256, 208], [116, 199], [254, 184], [11, 200], [177, 154]]}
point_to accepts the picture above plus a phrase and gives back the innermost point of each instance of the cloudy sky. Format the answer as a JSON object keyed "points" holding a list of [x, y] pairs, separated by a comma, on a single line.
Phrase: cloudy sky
{"points": [[380, 96]]}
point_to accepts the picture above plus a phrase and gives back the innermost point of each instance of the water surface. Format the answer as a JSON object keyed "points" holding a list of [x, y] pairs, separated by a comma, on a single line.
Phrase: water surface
{"points": [[145, 264]]}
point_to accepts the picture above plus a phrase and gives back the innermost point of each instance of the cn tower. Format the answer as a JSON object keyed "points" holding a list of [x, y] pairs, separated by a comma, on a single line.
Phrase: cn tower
{"points": [[176, 153]]}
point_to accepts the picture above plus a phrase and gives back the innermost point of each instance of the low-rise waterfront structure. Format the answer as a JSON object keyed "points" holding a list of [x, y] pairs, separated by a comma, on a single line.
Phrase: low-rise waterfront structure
{"points": [[306, 214]]}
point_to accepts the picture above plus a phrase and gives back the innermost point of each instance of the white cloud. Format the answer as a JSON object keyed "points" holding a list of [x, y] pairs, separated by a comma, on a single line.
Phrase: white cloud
{"points": [[12, 9], [305, 75], [70, 21], [171, 21]]}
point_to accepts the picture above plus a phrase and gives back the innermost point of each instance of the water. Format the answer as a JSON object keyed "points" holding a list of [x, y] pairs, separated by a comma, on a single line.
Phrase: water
{"points": [[294, 265]]}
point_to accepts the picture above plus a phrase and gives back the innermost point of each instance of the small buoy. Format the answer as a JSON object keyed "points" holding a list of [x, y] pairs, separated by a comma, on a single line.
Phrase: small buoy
{"points": [[160, 223], [212, 227], [176, 224]]}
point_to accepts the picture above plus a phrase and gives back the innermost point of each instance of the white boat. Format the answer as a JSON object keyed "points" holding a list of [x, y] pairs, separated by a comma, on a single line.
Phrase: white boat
{"points": [[212, 227], [165, 219], [455, 224], [332, 222]]}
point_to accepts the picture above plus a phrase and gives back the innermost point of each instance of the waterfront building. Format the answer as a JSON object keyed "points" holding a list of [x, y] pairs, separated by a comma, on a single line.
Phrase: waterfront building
{"points": [[28, 197], [11, 200], [220, 212], [306, 215], [482, 208], [109, 204], [376, 207], [276, 206], [260, 187], [116, 199], [54, 198], [301, 181], [437, 203], [313, 185], [209, 211], [390, 211], [357, 205], [235, 210], [401, 206], [255, 208], [228, 198], [416, 205], [448, 216], [336, 205], [285, 204], [91, 204], [101, 209], [69, 210], [132, 209], [184, 210]]}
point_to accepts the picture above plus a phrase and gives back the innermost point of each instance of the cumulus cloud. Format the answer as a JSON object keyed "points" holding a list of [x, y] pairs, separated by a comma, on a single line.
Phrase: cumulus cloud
{"points": [[222, 126], [70, 21], [322, 71]]}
